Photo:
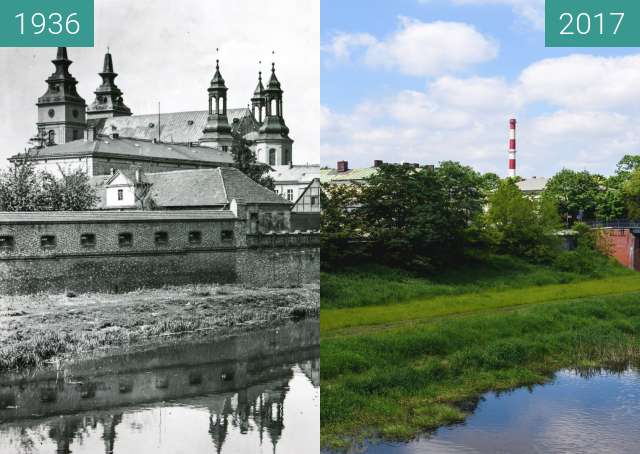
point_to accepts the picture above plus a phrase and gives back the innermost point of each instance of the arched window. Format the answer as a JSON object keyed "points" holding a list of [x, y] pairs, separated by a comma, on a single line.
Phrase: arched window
{"points": [[274, 108], [272, 157]]}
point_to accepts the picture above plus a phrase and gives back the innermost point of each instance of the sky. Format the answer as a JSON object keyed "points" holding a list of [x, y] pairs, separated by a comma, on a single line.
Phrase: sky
{"points": [[433, 80], [165, 51]]}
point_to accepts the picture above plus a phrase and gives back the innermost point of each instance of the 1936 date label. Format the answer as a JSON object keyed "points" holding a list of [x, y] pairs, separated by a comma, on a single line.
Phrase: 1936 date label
{"points": [[46, 23]]}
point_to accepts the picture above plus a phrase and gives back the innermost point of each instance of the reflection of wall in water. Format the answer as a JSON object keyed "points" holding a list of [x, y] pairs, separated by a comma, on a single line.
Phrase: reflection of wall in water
{"points": [[166, 373], [258, 408]]}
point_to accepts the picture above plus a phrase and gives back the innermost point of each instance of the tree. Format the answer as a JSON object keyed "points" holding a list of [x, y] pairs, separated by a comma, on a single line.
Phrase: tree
{"points": [[522, 226], [627, 165], [22, 189], [631, 194], [246, 161], [574, 193], [420, 216], [343, 237]]}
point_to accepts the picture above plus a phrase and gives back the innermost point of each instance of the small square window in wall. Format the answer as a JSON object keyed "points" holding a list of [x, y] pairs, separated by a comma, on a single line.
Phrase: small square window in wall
{"points": [[88, 240], [125, 239], [226, 236], [7, 243], [47, 241], [161, 238], [195, 237]]}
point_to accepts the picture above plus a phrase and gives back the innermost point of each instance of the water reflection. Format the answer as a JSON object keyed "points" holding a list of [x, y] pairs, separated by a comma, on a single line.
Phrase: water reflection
{"points": [[180, 399], [585, 411]]}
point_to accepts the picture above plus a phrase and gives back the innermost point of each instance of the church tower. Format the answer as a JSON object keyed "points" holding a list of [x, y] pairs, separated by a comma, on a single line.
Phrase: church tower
{"points": [[258, 103], [108, 102], [273, 145], [217, 132], [61, 110]]}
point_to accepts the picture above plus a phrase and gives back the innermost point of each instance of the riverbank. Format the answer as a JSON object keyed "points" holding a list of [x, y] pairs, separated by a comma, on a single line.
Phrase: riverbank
{"points": [[37, 329], [395, 370]]}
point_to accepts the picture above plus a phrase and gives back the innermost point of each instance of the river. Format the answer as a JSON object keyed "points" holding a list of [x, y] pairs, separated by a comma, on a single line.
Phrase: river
{"points": [[254, 393]]}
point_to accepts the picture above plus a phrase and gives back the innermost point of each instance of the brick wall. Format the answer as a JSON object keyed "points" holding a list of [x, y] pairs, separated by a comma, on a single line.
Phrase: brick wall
{"points": [[28, 267], [622, 245]]}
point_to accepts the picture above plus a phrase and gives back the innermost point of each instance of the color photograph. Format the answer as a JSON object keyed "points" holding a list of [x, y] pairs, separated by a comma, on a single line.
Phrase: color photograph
{"points": [[479, 228]]}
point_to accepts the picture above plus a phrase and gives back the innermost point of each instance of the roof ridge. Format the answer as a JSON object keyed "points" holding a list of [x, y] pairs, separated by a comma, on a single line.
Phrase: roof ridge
{"points": [[182, 171], [155, 115], [224, 185]]}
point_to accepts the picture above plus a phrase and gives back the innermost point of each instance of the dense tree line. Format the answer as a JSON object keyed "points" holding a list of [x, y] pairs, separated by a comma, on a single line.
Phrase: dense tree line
{"points": [[24, 189], [584, 196], [426, 217]]}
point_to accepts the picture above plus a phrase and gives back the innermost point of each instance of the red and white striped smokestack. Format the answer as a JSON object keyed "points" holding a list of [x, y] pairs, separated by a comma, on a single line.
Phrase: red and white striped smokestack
{"points": [[512, 147]]}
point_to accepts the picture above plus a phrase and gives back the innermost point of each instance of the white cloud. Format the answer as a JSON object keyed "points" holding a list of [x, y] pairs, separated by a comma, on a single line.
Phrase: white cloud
{"points": [[583, 81], [579, 111], [342, 45], [418, 48], [169, 56], [531, 11]]}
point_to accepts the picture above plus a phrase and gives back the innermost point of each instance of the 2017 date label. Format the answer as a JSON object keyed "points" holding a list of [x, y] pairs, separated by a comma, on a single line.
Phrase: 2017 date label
{"points": [[592, 23]]}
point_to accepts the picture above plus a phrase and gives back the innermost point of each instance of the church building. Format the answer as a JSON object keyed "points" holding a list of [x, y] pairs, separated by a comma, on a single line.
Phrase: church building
{"points": [[105, 136]]}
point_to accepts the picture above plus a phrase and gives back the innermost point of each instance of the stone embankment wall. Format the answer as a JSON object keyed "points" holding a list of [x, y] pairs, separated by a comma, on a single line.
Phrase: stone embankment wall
{"points": [[120, 251]]}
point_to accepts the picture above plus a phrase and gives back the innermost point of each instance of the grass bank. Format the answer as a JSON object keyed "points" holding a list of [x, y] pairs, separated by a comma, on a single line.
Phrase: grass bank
{"points": [[399, 369], [37, 329], [372, 285]]}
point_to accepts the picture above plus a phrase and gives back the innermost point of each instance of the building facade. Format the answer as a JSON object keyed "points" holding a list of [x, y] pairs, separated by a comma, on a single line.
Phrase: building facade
{"points": [[64, 120]]}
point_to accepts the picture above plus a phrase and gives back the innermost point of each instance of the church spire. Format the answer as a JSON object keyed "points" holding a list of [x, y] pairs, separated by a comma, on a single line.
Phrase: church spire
{"points": [[61, 110], [273, 145], [258, 101], [108, 102], [217, 132], [274, 122]]}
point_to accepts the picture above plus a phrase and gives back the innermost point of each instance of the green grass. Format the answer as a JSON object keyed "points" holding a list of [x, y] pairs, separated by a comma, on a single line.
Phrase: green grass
{"points": [[425, 309], [372, 285], [396, 370]]}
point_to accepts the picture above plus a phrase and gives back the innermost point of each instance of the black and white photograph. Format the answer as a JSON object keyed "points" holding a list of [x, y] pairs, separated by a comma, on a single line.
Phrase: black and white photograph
{"points": [[160, 233]]}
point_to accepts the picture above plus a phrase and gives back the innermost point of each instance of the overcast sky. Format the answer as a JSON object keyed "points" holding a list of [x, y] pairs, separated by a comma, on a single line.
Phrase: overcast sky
{"points": [[432, 80], [165, 50]]}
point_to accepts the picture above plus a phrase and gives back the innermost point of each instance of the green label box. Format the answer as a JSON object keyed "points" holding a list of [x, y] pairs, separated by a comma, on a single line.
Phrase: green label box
{"points": [[46, 23], [592, 23]]}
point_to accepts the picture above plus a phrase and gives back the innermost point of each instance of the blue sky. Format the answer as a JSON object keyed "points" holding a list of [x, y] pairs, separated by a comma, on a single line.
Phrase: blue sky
{"points": [[431, 80]]}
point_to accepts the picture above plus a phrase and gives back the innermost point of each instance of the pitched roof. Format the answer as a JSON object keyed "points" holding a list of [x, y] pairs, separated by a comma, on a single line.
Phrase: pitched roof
{"points": [[297, 173], [207, 187], [137, 149], [176, 127], [332, 175], [534, 184], [16, 217]]}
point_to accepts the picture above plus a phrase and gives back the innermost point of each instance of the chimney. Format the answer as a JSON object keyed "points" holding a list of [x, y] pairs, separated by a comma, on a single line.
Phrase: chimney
{"points": [[343, 166], [512, 147], [377, 163]]}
